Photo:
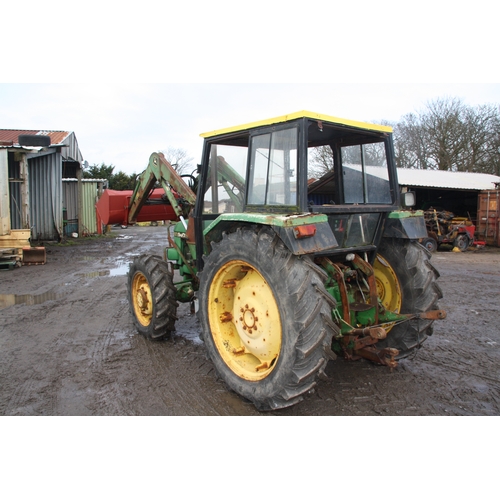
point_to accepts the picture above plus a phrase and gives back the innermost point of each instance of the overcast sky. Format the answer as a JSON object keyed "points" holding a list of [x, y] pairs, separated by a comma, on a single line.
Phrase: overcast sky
{"points": [[122, 125], [99, 51]]}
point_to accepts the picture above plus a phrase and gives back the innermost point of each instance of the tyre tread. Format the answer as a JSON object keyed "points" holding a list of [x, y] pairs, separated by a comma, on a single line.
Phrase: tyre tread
{"points": [[421, 292], [160, 278], [304, 288]]}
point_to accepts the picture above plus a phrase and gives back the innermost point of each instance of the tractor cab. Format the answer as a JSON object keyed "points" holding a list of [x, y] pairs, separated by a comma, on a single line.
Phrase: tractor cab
{"points": [[265, 168]]}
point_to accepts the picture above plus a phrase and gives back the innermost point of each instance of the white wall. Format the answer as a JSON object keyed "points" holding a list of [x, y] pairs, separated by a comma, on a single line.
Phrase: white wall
{"points": [[4, 194]]}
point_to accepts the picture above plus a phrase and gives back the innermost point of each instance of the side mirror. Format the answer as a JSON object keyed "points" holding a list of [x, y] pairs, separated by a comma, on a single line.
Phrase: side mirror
{"points": [[409, 199]]}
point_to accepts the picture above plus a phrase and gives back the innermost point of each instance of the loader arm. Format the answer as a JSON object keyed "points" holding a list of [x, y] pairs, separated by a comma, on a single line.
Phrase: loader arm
{"points": [[228, 176], [179, 195]]}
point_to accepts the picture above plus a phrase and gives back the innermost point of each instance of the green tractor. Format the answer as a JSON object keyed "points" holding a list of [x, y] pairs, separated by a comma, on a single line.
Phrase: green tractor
{"points": [[287, 271]]}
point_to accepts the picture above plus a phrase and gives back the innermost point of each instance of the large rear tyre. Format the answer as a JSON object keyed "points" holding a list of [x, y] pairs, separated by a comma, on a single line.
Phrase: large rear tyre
{"points": [[406, 282], [265, 317], [152, 297]]}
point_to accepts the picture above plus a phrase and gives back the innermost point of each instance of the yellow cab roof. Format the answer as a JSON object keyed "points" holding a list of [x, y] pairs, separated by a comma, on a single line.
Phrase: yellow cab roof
{"points": [[295, 116]]}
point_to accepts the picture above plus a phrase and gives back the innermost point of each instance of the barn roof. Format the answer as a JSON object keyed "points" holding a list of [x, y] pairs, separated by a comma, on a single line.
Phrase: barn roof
{"points": [[9, 138], [440, 179]]}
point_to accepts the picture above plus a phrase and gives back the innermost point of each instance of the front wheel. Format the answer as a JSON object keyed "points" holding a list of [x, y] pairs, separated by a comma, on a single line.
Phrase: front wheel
{"points": [[406, 283], [152, 296], [266, 318]]}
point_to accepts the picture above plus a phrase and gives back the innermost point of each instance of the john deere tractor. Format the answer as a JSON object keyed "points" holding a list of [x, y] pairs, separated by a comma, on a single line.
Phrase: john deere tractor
{"points": [[289, 271]]}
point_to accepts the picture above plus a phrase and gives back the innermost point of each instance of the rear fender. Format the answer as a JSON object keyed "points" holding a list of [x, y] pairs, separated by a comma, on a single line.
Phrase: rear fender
{"points": [[405, 225], [302, 234]]}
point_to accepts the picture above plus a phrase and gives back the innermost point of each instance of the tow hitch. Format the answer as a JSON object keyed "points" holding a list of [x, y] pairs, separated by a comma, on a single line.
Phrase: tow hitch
{"points": [[361, 342]]}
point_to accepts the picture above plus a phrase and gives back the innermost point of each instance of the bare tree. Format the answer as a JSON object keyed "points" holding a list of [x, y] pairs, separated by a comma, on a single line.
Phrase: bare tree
{"points": [[410, 143], [449, 135], [320, 161], [446, 135], [321, 158], [483, 134], [179, 159]]}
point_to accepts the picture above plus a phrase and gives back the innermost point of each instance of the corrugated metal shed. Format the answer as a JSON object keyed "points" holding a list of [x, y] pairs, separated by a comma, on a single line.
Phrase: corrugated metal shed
{"points": [[440, 179], [89, 199], [36, 195], [70, 206], [45, 192], [90, 192]]}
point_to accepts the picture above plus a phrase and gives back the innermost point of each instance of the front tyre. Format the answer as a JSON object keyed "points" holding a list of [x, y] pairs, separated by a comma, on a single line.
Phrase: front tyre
{"points": [[265, 317], [152, 296], [406, 283]]}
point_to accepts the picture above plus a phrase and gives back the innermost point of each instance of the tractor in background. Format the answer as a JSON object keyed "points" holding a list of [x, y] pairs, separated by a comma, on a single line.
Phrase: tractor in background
{"points": [[444, 228]]}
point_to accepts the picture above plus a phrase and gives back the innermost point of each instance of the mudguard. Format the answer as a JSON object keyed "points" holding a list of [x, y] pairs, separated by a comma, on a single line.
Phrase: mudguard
{"points": [[405, 225], [316, 235]]}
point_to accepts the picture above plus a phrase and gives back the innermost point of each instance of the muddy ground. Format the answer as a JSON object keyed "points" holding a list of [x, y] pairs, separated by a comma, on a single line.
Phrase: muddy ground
{"points": [[68, 347]]}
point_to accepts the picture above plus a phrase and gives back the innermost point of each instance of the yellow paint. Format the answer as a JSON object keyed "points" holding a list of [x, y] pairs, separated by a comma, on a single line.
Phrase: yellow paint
{"points": [[295, 116], [388, 288], [142, 299], [245, 322]]}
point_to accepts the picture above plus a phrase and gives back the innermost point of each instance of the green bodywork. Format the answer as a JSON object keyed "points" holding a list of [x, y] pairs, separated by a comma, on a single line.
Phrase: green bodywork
{"points": [[342, 232], [182, 254], [361, 314]]}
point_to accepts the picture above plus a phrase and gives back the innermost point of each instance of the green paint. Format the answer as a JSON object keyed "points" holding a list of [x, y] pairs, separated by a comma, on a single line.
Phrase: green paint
{"points": [[268, 220], [404, 214]]}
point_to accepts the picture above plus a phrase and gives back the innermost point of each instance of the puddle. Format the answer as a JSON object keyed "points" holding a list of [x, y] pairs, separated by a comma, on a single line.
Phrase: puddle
{"points": [[187, 326], [121, 269], [8, 300], [190, 335], [95, 274]]}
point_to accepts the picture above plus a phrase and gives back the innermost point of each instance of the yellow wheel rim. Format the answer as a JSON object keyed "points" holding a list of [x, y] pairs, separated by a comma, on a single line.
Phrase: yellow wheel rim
{"points": [[388, 288], [142, 299], [244, 320]]}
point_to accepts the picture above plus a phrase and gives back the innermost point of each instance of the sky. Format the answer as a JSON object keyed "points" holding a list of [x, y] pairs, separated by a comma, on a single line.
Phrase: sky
{"points": [[121, 124], [82, 71]]}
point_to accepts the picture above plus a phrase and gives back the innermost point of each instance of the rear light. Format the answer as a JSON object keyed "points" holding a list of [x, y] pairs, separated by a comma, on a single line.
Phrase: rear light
{"points": [[304, 231]]}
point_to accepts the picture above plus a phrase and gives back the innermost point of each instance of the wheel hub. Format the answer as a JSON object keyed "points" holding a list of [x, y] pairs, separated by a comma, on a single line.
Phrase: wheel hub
{"points": [[249, 320], [142, 299], [251, 298]]}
